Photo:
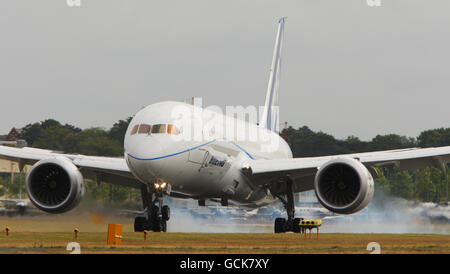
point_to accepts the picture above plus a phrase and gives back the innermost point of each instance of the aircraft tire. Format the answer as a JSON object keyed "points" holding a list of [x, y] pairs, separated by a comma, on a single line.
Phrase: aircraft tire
{"points": [[156, 226], [139, 224], [163, 226], [296, 226], [280, 225], [165, 213]]}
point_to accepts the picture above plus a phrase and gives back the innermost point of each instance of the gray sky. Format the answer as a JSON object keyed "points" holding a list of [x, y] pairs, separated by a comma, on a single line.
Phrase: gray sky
{"points": [[347, 69]]}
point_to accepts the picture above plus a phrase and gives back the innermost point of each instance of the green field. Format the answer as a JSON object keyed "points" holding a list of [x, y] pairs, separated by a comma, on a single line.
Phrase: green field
{"points": [[35, 236]]}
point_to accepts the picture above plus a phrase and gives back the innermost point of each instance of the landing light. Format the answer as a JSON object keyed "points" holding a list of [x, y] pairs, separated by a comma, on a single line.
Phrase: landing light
{"points": [[161, 186]]}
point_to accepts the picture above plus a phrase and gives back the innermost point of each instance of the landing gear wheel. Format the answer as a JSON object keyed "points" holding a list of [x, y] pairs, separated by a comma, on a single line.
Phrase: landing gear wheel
{"points": [[156, 225], [280, 225], [140, 224], [157, 215], [155, 212], [296, 225], [291, 223], [165, 213], [164, 226]]}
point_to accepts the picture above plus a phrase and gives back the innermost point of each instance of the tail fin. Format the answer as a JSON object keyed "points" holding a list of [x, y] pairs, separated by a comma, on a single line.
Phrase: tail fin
{"points": [[270, 118]]}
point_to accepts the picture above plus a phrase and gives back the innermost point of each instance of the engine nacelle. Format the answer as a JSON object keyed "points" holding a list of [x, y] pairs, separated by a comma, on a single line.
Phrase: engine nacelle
{"points": [[55, 185], [344, 185]]}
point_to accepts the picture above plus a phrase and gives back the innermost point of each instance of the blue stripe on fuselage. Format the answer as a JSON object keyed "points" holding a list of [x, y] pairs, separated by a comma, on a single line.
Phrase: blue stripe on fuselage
{"points": [[241, 148], [187, 150]]}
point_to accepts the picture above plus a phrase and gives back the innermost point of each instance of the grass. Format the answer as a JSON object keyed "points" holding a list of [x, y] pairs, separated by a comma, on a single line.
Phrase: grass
{"points": [[95, 242], [36, 236]]}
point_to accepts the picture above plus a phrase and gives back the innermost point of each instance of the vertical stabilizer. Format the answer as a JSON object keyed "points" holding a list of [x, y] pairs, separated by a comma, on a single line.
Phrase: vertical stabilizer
{"points": [[270, 118]]}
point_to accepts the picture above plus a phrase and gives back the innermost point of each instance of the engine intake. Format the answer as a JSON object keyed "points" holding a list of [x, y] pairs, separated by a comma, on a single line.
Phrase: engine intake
{"points": [[344, 185], [55, 185]]}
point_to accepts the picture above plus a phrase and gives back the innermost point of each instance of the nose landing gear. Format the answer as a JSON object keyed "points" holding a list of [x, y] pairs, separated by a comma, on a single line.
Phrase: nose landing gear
{"points": [[157, 215]]}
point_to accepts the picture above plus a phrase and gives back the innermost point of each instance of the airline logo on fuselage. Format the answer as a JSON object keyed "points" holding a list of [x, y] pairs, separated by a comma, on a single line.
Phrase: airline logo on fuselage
{"points": [[216, 162]]}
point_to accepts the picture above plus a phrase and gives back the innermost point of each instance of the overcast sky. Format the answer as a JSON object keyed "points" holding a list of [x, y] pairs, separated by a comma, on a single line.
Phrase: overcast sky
{"points": [[347, 68]]}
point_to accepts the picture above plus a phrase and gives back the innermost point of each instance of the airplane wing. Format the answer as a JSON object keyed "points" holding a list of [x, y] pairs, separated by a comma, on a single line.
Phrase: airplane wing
{"points": [[101, 169], [303, 170]]}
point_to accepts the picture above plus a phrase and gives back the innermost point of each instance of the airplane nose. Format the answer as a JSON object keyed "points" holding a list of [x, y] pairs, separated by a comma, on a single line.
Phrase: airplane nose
{"points": [[146, 158]]}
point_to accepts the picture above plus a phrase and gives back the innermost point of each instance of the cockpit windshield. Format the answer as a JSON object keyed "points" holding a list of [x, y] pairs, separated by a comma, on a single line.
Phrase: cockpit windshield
{"points": [[172, 129], [134, 130], [161, 128], [144, 129], [155, 129]]}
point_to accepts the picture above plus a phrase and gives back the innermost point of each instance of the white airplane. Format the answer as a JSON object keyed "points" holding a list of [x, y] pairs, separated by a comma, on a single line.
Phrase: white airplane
{"points": [[161, 159]]}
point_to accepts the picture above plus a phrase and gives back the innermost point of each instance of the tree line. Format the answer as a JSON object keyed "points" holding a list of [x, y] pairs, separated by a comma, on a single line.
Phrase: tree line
{"points": [[426, 184]]}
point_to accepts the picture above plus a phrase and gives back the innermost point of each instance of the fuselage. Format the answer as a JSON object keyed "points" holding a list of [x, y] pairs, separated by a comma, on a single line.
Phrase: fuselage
{"points": [[200, 152]]}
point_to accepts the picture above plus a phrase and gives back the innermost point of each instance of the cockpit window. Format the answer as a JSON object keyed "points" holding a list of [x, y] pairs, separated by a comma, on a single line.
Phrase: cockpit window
{"points": [[172, 129], [135, 129], [159, 129], [144, 128]]}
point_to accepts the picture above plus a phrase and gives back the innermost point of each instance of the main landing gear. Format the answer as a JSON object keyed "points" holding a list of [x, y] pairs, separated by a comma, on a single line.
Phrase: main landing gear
{"points": [[291, 223], [157, 215]]}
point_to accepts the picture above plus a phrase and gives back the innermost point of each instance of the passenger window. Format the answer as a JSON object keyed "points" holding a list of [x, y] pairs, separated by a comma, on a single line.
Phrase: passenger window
{"points": [[159, 129], [134, 130], [144, 128], [172, 129]]}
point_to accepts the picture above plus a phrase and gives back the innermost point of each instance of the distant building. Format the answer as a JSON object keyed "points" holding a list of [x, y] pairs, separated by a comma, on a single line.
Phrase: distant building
{"points": [[13, 135]]}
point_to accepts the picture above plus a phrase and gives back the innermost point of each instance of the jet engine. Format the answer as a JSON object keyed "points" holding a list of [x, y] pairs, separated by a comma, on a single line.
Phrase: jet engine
{"points": [[55, 185], [344, 185]]}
